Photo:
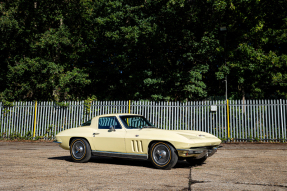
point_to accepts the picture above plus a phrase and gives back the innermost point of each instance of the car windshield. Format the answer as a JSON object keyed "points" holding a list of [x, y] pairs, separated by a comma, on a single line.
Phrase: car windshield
{"points": [[135, 122]]}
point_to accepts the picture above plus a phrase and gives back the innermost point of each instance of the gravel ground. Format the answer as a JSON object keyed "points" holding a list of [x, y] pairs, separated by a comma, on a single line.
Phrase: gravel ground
{"points": [[45, 166]]}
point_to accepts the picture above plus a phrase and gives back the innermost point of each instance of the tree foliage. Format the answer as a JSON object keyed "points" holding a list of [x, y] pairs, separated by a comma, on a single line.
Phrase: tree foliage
{"points": [[149, 49]]}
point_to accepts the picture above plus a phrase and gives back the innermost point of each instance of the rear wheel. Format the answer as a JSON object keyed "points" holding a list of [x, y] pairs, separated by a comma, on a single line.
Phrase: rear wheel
{"points": [[163, 155], [80, 150]]}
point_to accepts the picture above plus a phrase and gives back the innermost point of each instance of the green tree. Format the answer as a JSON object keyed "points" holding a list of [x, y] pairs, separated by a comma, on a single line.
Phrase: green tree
{"points": [[151, 49], [255, 44], [41, 53], [155, 50]]}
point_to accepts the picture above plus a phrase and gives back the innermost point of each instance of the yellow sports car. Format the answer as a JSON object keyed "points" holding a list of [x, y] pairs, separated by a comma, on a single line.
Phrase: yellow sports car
{"points": [[133, 136]]}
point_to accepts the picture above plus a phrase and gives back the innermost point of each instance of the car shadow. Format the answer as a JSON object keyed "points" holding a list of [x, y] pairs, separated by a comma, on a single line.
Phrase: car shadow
{"points": [[121, 161], [184, 164], [66, 158]]}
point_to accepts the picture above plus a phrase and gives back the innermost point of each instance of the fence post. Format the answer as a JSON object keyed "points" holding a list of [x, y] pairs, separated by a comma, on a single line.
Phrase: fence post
{"points": [[1, 120], [282, 124], [228, 130], [129, 106], [35, 119]]}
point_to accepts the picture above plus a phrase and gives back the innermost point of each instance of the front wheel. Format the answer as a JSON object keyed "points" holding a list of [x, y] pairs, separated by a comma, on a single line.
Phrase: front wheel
{"points": [[163, 155], [80, 150]]}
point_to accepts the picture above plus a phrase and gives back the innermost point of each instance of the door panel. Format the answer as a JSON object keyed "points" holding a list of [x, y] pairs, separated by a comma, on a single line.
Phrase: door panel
{"points": [[110, 140]]}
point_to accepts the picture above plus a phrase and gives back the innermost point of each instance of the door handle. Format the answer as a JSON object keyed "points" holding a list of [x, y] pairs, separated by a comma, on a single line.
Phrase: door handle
{"points": [[95, 134]]}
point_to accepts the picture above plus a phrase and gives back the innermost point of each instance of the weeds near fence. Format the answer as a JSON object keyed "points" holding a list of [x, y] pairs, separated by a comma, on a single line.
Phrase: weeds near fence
{"points": [[49, 135], [16, 136], [224, 139], [50, 132]]}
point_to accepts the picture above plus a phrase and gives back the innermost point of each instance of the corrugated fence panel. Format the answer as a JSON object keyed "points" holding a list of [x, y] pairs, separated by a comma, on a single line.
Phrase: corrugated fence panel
{"points": [[263, 120]]}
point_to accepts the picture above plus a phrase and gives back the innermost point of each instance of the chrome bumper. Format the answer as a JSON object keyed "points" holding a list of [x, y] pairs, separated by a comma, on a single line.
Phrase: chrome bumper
{"points": [[198, 152]]}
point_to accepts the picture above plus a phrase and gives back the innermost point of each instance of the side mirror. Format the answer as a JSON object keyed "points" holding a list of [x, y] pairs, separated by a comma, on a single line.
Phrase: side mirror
{"points": [[112, 128]]}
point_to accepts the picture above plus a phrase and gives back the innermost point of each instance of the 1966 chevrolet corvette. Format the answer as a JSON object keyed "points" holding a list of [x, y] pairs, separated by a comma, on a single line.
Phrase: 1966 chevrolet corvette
{"points": [[133, 136]]}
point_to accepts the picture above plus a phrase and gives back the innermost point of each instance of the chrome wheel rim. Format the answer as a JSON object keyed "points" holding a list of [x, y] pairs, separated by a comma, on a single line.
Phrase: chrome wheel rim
{"points": [[161, 154], [78, 149]]}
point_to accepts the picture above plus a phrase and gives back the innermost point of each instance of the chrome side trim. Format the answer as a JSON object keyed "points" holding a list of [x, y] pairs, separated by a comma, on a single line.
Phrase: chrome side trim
{"points": [[120, 155], [56, 142]]}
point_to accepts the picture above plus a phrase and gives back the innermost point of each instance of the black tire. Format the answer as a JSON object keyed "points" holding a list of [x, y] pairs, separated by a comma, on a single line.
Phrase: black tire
{"points": [[163, 155], [80, 150], [193, 161]]}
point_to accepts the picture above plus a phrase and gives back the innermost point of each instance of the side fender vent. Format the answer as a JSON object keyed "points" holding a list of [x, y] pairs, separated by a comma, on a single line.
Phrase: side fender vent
{"points": [[137, 146]]}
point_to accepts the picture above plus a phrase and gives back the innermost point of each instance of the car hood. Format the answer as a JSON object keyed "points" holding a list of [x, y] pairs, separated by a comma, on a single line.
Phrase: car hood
{"points": [[189, 134], [183, 138]]}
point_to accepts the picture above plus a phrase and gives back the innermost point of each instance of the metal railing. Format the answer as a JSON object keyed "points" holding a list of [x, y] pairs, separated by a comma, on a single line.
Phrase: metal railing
{"points": [[261, 120]]}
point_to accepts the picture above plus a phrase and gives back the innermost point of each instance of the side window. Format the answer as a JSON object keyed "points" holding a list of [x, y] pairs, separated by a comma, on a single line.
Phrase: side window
{"points": [[135, 122], [107, 122], [87, 123]]}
